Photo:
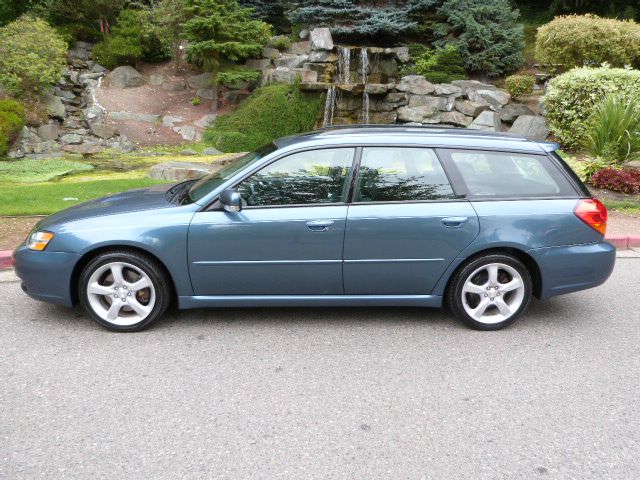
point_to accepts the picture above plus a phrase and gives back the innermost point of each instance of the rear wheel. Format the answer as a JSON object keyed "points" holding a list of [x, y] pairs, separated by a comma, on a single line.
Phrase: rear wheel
{"points": [[490, 292], [124, 291]]}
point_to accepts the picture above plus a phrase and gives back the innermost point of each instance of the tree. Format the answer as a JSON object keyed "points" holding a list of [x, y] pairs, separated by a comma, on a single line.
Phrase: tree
{"points": [[485, 32], [32, 56], [170, 16], [221, 31]]}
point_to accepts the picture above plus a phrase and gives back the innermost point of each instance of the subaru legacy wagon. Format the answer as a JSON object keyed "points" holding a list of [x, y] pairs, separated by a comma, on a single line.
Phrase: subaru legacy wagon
{"points": [[368, 216]]}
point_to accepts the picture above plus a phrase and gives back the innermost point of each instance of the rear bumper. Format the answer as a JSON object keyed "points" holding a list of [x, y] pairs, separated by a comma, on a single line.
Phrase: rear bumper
{"points": [[573, 268], [46, 276]]}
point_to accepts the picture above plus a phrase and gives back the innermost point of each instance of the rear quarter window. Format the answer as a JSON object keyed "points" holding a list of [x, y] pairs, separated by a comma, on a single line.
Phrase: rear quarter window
{"points": [[487, 175]]}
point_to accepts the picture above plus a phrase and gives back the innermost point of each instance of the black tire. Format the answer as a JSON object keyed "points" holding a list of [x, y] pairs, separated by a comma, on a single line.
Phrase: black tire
{"points": [[149, 266], [455, 297]]}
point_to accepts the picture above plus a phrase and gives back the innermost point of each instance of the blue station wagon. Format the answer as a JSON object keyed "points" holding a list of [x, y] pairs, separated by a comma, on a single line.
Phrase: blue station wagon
{"points": [[359, 216]]}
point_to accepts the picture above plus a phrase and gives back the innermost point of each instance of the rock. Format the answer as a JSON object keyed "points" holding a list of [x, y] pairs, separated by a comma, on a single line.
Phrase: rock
{"points": [[103, 131], [73, 76], [299, 48], [80, 51], [139, 117], [156, 80], [258, 63], [46, 147], [315, 86], [469, 108], [402, 53], [396, 98], [487, 120], [415, 114], [415, 84], [211, 151], [378, 88], [469, 86], [448, 89], [174, 85], [126, 77], [180, 171], [321, 39], [632, 164], [71, 122], [86, 149], [388, 66], [209, 93], [270, 53], [323, 56], [97, 68], [48, 132], [64, 94], [304, 33], [188, 152], [187, 132], [169, 120], [197, 82], [532, 127], [85, 77], [205, 121], [455, 118], [495, 98], [425, 100], [383, 117], [286, 75], [71, 139], [55, 107], [511, 111], [93, 113], [291, 61]]}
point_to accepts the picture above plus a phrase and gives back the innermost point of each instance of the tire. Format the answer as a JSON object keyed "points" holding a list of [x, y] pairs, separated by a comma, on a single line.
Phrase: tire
{"points": [[124, 291], [490, 292]]}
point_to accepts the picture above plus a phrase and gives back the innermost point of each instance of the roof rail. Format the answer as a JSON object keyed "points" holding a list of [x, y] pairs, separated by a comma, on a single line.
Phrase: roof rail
{"points": [[383, 126]]}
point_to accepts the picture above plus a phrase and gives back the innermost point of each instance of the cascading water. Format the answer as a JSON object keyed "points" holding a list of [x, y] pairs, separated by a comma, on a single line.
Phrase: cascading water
{"points": [[329, 106], [344, 65], [364, 68]]}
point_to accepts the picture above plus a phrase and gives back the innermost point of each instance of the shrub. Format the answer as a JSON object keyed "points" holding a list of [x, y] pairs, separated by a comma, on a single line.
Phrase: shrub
{"points": [[571, 98], [195, 101], [614, 129], [485, 32], [270, 112], [441, 65], [281, 42], [518, 85], [11, 122], [582, 40], [624, 180], [238, 74], [32, 56]]}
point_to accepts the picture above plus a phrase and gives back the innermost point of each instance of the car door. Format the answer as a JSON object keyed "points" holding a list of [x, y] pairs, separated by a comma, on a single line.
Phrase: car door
{"points": [[405, 225], [288, 237]]}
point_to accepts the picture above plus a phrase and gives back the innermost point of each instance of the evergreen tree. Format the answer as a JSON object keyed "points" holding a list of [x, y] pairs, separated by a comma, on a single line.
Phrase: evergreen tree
{"points": [[171, 16]]}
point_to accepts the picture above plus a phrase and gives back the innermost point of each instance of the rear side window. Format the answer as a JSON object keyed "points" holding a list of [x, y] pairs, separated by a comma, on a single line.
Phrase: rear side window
{"points": [[505, 174], [401, 174]]}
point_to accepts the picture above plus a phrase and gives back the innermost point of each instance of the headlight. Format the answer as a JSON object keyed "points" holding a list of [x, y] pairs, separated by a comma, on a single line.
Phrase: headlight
{"points": [[39, 240]]}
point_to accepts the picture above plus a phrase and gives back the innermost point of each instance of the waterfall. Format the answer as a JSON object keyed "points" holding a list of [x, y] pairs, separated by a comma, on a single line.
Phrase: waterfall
{"points": [[344, 65], [364, 67], [329, 105]]}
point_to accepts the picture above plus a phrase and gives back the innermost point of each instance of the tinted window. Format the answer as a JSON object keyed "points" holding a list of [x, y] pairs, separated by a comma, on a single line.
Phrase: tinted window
{"points": [[311, 177], [401, 174], [502, 174]]}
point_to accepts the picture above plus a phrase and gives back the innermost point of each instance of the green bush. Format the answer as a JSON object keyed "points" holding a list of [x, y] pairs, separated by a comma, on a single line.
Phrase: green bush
{"points": [[32, 56], [238, 74], [520, 84], [133, 38], [270, 112], [281, 42], [572, 97], [485, 32], [11, 122], [588, 40], [614, 129], [441, 65]]}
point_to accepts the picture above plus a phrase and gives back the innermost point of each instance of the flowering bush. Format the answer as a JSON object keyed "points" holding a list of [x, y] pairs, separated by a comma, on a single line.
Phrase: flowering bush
{"points": [[625, 180], [520, 84]]}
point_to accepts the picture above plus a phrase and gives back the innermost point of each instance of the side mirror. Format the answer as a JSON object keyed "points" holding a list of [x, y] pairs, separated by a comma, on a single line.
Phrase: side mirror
{"points": [[231, 200]]}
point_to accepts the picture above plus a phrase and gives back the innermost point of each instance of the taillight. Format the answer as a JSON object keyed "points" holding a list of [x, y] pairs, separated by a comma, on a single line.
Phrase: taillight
{"points": [[592, 212]]}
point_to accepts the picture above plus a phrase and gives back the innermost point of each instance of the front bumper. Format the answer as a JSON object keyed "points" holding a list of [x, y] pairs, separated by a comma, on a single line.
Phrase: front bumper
{"points": [[46, 276], [573, 268]]}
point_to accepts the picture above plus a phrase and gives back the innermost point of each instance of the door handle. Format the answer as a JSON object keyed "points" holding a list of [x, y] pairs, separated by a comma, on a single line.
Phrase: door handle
{"points": [[454, 222], [319, 225]]}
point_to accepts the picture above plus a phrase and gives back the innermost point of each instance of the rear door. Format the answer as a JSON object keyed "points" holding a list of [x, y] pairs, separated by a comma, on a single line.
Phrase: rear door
{"points": [[405, 225]]}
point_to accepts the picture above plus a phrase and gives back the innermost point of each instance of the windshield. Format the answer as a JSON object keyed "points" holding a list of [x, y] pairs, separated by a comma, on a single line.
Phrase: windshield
{"points": [[212, 181]]}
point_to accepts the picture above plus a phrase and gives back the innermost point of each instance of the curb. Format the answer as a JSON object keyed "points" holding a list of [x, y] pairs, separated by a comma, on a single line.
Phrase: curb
{"points": [[6, 259]]}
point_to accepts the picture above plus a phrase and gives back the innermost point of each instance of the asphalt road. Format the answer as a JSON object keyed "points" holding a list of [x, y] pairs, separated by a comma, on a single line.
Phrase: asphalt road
{"points": [[325, 393]]}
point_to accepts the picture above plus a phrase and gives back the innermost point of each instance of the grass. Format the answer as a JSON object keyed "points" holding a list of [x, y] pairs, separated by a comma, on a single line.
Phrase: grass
{"points": [[30, 171], [626, 206], [47, 198]]}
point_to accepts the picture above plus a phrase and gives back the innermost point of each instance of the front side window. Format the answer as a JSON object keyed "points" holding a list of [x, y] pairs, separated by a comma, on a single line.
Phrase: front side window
{"points": [[505, 174], [310, 177], [390, 174]]}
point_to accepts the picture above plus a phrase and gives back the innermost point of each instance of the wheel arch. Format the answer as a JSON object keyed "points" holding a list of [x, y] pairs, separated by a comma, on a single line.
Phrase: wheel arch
{"points": [[93, 253]]}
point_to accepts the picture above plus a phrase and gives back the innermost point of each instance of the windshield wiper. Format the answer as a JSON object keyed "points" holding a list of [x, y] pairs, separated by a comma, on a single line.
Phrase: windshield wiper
{"points": [[177, 193]]}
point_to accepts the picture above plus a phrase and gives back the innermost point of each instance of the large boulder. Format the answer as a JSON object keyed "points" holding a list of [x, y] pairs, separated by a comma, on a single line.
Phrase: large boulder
{"points": [[511, 111], [415, 84], [416, 114], [126, 77], [532, 127], [495, 98], [469, 108], [258, 63], [455, 118], [204, 80], [321, 39], [291, 61], [48, 132], [55, 107], [487, 121], [469, 86], [103, 131], [180, 171], [448, 89]]}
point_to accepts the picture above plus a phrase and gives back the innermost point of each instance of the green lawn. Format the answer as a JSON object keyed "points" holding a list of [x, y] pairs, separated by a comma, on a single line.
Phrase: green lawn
{"points": [[46, 198]]}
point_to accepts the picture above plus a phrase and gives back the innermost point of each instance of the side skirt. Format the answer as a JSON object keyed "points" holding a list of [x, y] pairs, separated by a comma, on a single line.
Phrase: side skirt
{"points": [[310, 301]]}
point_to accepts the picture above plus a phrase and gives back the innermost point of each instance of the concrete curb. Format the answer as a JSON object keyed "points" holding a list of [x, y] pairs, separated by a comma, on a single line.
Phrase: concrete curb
{"points": [[6, 259]]}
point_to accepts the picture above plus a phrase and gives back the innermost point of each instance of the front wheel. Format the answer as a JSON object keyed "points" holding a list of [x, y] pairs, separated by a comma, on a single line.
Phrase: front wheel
{"points": [[124, 291], [490, 292]]}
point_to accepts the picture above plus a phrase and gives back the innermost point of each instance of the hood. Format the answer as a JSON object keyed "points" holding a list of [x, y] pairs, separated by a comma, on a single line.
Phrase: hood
{"points": [[130, 201]]}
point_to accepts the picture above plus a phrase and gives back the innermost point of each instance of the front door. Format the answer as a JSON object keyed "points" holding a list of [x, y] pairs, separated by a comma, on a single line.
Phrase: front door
{"points": [[287, 239], [405, 225]]}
